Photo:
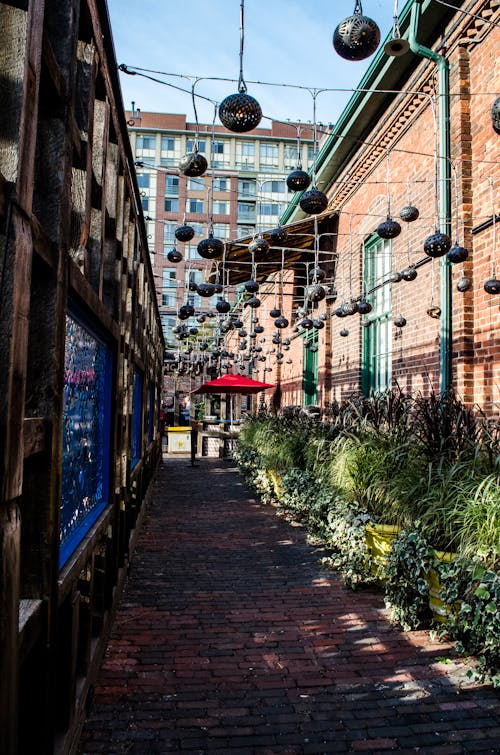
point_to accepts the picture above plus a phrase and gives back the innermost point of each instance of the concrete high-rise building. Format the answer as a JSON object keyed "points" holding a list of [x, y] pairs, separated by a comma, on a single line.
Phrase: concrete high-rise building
{"points": [[243, 192]]}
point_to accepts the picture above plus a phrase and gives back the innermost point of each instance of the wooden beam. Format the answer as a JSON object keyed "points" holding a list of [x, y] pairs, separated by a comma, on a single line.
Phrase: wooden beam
{"points": [[34, 436]]}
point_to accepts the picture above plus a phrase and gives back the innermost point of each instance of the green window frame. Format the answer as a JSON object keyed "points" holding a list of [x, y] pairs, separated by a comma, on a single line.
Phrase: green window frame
{"points": [[376, 358], [310, 375]]}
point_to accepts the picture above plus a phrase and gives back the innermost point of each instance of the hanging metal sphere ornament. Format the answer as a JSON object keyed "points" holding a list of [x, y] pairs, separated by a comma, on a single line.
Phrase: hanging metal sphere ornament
{"points": [[492, 286], [210, 248], [437, 245], [206, 289], [313, 201], [251, 286], [298, 180], [222, 306], [350, 307], [316, 274], [409, 213], [193, 286], [409, 273], [463, 284], [258, 329], [187, 310], [238, 323], [318, 324], [193, 164], [306, 323], [316, 292], [240, 112], [395, 277], [281, 322], [344, 332], [275, 312], [277, 236], [174, 256], [253, 302], [258, 246], [219, 288], [495, 115], [400, 321], [389, 229], [457, 254], [356, 37], [339, 312], [364, 307], [184, 233]]}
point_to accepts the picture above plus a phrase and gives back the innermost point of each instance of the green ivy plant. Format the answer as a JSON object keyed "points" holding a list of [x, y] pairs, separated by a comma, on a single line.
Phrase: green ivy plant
{"points": [[406, 590], [475, 589]]}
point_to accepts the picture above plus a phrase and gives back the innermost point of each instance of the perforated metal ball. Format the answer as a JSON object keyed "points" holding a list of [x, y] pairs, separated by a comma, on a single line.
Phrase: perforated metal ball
{"points": [[366, 323], [193, 331], [258, 329], [281, 322], [193, 164], [437, 245], [174, 256], [258, 246], [184, 233], [251, 286], [389, 229], [187, 310], [222, 306], [318, 324], [434, 312], [316, 274], [457, 254], [344, 332], [192, 285], [277, 236], [409, 273], [364, 307], [306, 323], [240, 112], [298, 180], [409, 213], [219, 288], [275, 312], [339, 312], [495, 115], [206, 289], [238, 323], [400, 321], [253, 302], [492, 286], [350, 307], [395, 277], [313, 201], [210, 248], [357, 36], [463, 284], [316, 292]]}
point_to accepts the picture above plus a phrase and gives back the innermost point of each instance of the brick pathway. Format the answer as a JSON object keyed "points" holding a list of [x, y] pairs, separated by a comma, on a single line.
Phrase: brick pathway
{"points": [[231, 639]]}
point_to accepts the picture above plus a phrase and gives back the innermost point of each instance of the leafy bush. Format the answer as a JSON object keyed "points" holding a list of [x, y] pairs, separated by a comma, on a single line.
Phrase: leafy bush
{"points": [[406, 590]]}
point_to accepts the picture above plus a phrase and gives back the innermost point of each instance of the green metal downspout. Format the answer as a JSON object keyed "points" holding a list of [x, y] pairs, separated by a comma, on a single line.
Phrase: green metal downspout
{"points": [[443, 68]]}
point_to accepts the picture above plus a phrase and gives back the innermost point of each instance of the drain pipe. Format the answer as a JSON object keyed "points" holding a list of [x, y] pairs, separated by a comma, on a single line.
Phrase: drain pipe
{"points": [[443, 68]]}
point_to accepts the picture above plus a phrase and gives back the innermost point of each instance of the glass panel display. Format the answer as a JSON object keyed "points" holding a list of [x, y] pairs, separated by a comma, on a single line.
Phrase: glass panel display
{"points": [[86, 435], [137, 418]]}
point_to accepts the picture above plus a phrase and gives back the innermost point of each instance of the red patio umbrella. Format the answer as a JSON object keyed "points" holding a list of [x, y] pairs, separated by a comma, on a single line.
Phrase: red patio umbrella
{"points": [[233, 384]]}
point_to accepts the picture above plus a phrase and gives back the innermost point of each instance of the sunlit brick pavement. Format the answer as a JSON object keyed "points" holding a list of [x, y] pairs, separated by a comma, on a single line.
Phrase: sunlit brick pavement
{"points": [[231, 639]]}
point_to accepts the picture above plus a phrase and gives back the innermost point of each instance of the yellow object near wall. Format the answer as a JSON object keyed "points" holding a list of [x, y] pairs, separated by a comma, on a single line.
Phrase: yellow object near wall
{"points": [[179, 440], [379, 538]]}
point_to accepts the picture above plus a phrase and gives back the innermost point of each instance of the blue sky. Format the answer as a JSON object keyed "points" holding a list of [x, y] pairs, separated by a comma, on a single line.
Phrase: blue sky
{"points": [[286, 42]]}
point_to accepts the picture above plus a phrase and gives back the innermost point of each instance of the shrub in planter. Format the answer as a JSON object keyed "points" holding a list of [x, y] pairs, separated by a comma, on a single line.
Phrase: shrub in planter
{"points": [[346, 538]]}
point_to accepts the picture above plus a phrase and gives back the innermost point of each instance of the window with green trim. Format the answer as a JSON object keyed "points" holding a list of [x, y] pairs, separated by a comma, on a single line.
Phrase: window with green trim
{"points": [[310, 377], [377, 337]]}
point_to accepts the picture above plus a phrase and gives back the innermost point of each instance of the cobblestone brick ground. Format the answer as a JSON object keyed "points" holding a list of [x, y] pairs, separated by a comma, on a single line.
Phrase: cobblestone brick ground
{"points": [[232, 639]]}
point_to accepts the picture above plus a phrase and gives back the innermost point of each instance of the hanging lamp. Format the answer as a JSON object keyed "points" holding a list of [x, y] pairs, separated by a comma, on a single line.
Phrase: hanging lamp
{"points": [[396, 46], [357, 36], [240, 112]]}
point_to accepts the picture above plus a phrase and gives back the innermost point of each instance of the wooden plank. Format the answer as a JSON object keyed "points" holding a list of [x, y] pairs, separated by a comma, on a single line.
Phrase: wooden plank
{"points": [[34, 436], [84, 290]]}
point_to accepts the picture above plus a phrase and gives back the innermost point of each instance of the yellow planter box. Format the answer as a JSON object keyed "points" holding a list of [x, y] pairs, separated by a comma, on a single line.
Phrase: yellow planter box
{"points": [[440, 610], [379, 539]]}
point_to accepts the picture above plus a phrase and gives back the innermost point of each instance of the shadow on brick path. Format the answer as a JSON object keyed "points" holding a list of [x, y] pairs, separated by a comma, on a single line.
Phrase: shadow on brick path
{"points": [[231, 639]]}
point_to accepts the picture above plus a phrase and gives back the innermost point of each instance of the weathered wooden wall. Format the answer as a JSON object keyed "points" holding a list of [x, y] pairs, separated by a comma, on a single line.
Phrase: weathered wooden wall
{"points": [[71, 232]]}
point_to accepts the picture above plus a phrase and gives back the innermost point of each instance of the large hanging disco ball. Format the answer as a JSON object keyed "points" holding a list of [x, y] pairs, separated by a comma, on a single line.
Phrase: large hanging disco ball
{"points": [[240, 112], [184, 233], [356, 37], [277, 236], [389, 229], [258, 246], [437, 245], [210, 248], [174, 256], [298, 180], [313, 201], [193, 164]]}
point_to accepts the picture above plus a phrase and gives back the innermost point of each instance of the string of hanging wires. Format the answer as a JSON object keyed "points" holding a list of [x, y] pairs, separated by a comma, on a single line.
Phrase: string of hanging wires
{"points": [[313, 91]]}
